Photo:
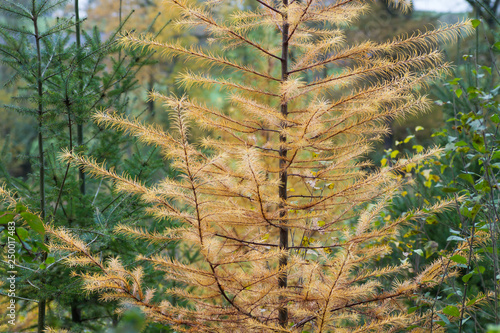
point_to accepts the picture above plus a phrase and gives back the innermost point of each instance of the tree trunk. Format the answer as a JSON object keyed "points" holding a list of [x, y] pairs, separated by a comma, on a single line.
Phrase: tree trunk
{"points": [[283, 311], [42, 302]]}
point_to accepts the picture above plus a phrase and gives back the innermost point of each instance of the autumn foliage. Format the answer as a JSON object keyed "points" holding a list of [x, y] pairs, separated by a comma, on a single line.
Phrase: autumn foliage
{"points": [[280, 202]]}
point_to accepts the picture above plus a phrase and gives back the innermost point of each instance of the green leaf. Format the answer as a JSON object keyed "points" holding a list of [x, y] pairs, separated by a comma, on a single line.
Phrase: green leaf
{"points": [[455, 238], [478, 143], [483, 186], [459, 259], [34, 222], [473, 92], [451, 310], [445, 319], [467, 177], [467, 277], [486, 68], [475, 210], [431, 220], [475, 23], [495, 118], [419, 128], [20, 208], [22, 233], [408, 138], [413, 309], [472, 301], [394, 153], [26, 258], [6, 217], [450, 189], [419, 252], [418, 148], [480, 269], [50, 260], [43, 247], [458, 92]]}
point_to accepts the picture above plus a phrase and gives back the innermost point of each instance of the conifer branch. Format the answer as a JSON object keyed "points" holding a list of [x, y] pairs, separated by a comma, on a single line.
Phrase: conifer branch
{"points": [[134, 42], [269, 7], [218, 28], [299, 20], [188, 79], [418, 61]]}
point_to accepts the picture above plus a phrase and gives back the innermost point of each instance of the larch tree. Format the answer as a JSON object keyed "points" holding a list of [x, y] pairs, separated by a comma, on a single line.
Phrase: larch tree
{"points": [[280, 203]]}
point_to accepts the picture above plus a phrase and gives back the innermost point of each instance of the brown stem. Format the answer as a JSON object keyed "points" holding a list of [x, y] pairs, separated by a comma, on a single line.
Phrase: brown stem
{"points": [[75, 311], [39, 79], [283, 261], [271, 8], [79, 126]]}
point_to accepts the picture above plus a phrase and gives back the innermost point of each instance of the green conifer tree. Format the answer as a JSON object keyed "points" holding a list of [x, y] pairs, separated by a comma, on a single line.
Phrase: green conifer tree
{"points": [[64, 72]]}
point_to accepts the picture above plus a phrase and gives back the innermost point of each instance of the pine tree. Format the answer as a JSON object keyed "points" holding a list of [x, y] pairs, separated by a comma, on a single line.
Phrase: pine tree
{"points": [[279, 202], [60, 83]]}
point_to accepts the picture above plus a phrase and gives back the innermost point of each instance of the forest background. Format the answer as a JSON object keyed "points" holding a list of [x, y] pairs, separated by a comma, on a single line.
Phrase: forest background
{"points": [[52, 87]]}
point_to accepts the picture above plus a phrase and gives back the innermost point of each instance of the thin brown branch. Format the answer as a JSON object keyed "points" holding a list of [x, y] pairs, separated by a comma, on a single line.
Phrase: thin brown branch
{"points": [[269, 7]]}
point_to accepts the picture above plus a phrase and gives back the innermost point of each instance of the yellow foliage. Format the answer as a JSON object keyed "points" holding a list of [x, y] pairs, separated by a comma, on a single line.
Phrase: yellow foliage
{"points": [[277, 203]]}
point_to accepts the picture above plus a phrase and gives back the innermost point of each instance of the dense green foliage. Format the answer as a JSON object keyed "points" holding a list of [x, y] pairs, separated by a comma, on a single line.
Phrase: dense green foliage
{"points": [[468, 169], [59, 74]]}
